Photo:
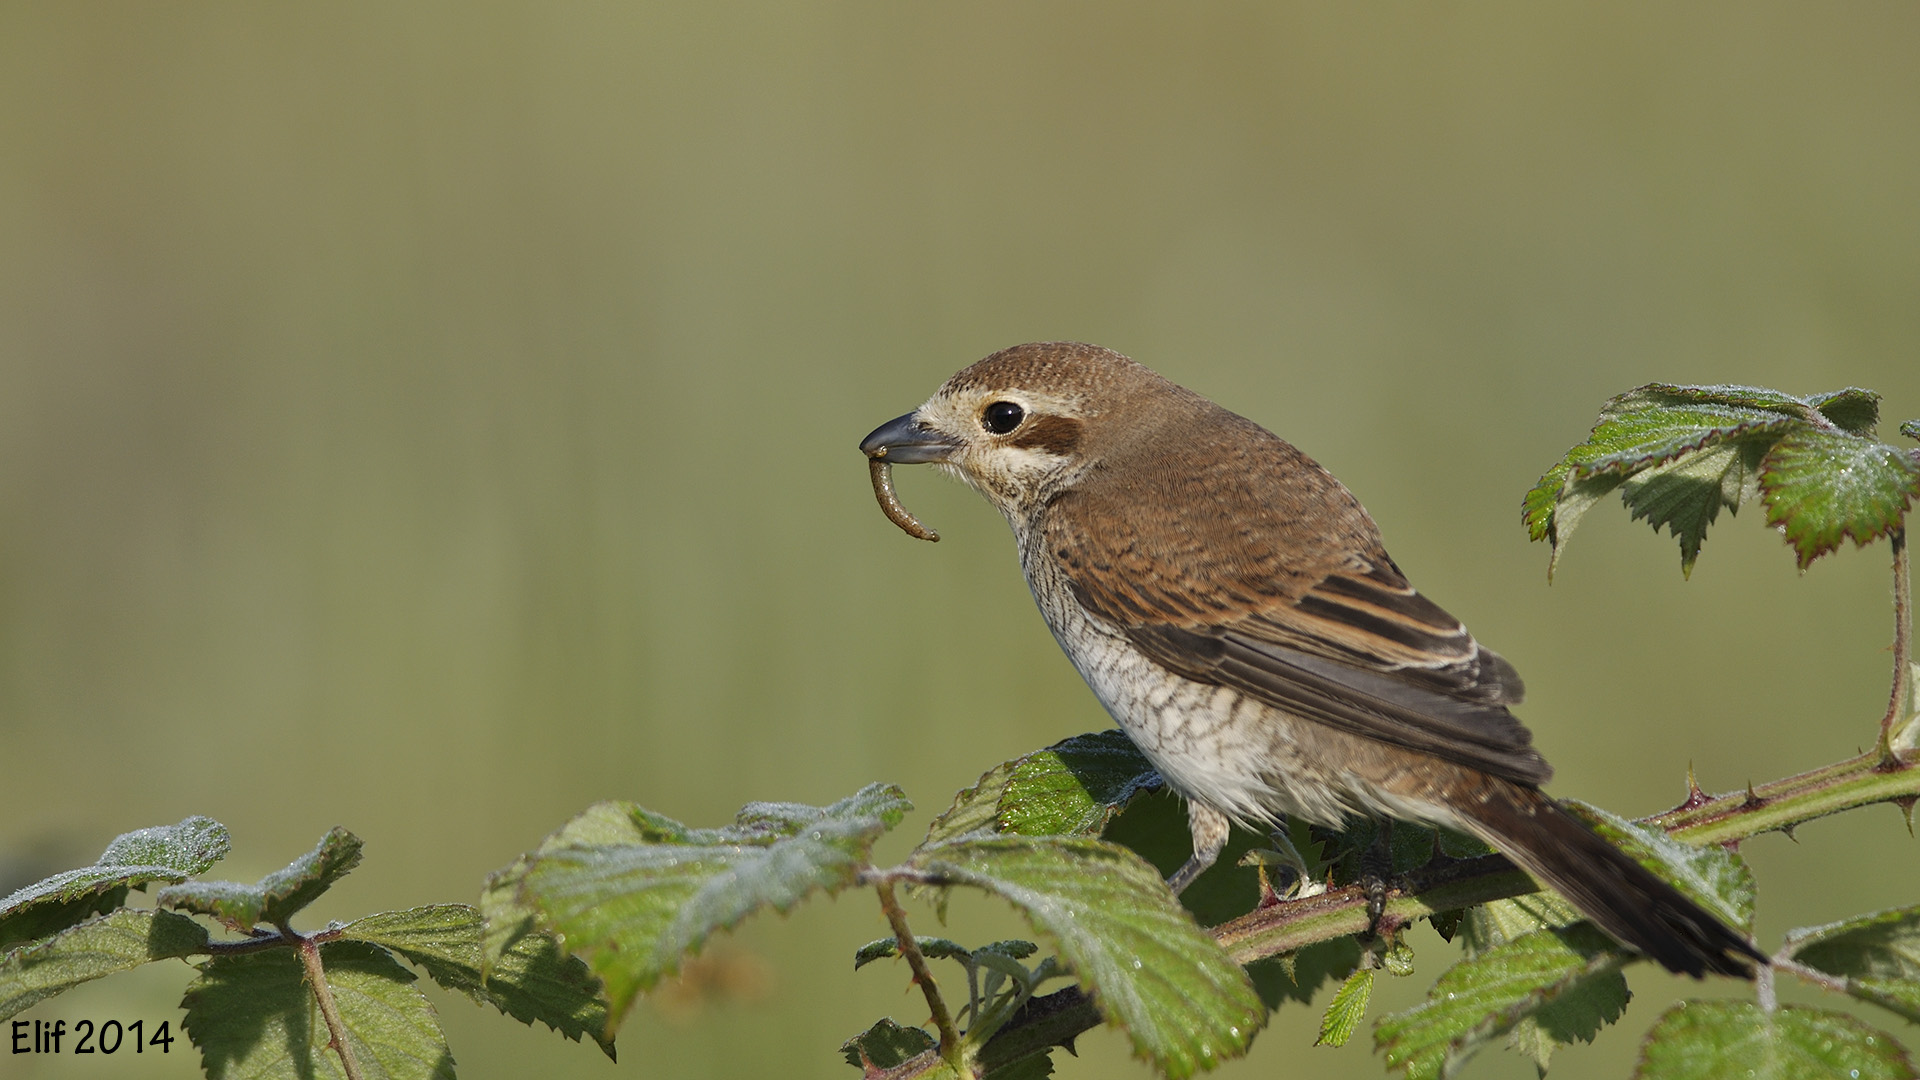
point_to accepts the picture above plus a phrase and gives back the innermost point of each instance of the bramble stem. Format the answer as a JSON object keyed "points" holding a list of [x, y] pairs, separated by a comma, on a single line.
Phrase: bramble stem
{"points": [[316, 977], [1902, 644], [909, 948], [1057, 1018]]}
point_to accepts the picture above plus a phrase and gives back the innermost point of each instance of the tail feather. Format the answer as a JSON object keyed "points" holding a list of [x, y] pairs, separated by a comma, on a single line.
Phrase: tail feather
{"points": [[1608, 886]]}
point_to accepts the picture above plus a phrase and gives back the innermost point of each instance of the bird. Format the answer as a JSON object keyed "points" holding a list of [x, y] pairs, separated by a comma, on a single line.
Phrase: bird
{"points": [[1233, 607]]}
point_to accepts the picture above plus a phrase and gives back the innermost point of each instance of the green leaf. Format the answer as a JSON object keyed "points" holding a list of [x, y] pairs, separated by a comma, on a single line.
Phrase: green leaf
{"points": [[1686, 495], [161, 853], [886, 1045], [1713, 877], [1346, 1010], [1878, 955], [528, 976], [275, 898], [974, 809], [1074, 787], [1496, 923], [1853, 410], [633, 908], [530, 980], [1822, 487], [1681, 452], [120, 941], [1697, 1039], [444, 939], [1147, 965], [1566, 980], [1911, 429], [253, 1017], [933, 948]]}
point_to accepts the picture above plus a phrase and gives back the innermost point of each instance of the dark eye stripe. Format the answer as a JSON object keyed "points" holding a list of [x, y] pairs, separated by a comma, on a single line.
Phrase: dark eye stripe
{"points": [[1054, 434]]}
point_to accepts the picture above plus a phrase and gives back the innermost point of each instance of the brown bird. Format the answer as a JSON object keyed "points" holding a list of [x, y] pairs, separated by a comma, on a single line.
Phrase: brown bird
{"points": [[1232, 606]]}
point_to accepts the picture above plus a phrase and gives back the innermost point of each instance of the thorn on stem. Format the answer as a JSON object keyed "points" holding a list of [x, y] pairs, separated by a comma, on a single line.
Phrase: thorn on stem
{"points": [[1695, 797], [1905, 803], [1753, 799]]}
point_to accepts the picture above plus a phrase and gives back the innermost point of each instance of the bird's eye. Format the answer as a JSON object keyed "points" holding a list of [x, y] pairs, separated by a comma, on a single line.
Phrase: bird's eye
{"points": [[1002, 417]]}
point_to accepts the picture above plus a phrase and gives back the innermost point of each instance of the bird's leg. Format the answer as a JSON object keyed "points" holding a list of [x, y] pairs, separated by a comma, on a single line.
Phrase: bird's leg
{"points": [[1376, 866], [1209, 828]]}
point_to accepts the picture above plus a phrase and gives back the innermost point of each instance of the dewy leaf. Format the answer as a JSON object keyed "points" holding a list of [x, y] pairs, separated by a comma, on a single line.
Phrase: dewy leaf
{"points": [[1878, 955], [633, 909], [1074, 787], [252, 1017], [1713, 877], [162, 853], [886, 1045], [1346, 1010], [528, 976], [275, 898], [975, 808], [1737, 1038], [1501, 921], [1853, 410], [933, 948], [1566, 980], [1685, 495], [117, 942], [1658, 427], [1822, 487], [1147, 965], [444, 939]]}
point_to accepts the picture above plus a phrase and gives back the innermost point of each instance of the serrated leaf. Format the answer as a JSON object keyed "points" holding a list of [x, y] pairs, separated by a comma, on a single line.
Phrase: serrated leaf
{"points": [[120, 941], [275, 898], [1711, 876], [1910, 428], [633, 909], [1074, 787], [253, 1017], [1697, 1039], [1853, 410], [933, 948], [161, 853], [444, 939], [1148, 966], [528, 976], [1822, 487], [1500, 921], [1568, 976], [1686, 495], [1655, 430], [1346, 1010], [974, 809], [886, 1045], [1878, 955]]}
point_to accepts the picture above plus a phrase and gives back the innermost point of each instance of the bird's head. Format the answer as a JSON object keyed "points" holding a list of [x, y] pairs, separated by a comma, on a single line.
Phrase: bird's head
{"points": [[1029, 422]]}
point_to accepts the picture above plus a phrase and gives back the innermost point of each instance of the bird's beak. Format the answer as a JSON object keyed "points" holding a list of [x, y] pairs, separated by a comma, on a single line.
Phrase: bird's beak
{"points": [[903, 440]]}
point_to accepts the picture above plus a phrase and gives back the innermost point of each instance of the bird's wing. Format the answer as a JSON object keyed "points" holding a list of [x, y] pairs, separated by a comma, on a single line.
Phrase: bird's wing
{"points": [[1328, 631]]}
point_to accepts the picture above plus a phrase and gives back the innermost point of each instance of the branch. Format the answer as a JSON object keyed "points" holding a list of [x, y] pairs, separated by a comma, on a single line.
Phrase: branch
{"points": [[949, 1047], [336, 1029], [1902, 644], [1058, 1018]]}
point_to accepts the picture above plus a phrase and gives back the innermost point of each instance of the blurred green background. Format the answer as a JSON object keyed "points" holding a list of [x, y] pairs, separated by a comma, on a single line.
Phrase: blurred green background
{"points": [[432, 418]]}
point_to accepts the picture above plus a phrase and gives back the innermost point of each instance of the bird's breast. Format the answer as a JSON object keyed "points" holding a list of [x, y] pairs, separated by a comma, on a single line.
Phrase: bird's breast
{"points": [[1211, 743]]}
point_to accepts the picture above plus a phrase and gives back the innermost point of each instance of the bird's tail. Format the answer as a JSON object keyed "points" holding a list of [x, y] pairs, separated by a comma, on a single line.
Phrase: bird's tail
{"points": [[1604, 883]]}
